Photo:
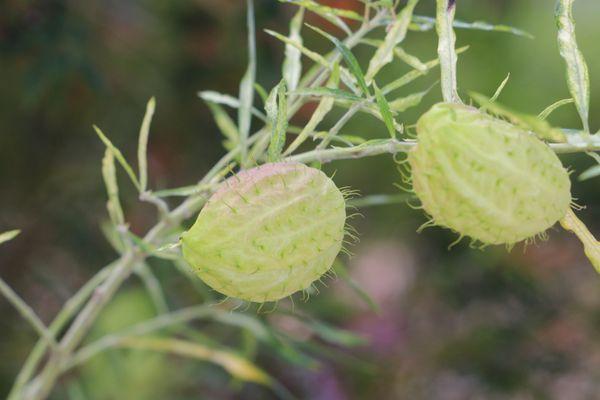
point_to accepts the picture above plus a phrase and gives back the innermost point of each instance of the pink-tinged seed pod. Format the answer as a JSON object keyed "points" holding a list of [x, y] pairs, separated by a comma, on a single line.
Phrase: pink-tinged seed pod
{"points": [[486, 178], [267, 232]]}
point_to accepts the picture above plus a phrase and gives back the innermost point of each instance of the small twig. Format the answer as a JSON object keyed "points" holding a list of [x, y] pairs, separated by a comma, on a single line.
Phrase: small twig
{"points": [[27, 313]]}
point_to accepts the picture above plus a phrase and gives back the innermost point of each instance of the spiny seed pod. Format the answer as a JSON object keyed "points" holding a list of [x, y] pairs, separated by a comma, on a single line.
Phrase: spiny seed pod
{"points": [[267, 232], [485, 178]]}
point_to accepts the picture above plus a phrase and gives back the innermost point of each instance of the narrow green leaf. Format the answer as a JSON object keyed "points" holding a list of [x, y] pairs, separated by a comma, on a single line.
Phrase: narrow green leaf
{"points": [[400, 53], [227, 100], [234, 364], [292, 65], [412, 75], [396, 34], [351, 61], [276, 107], [152, 286], [325, 11], [107, 227], [119, 156], [325, 105], [109, 173], [384, 109], [590, 173], [336, 336], [143, 144], [578, 78], [342, 272], [402, 104], [379, 200], [261, 91], [346, 76], [498, 91], [528, 122], [314, 56], [484, 26], [224, 123], [338, 94], [446, 52], [183, 191], [552, 107], [424, 23], [9, 235], [409, 59], [247, 85]]}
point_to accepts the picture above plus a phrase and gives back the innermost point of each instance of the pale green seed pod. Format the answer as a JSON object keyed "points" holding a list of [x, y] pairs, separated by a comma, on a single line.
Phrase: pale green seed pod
{"points": [[267, 232], [485, 178]]}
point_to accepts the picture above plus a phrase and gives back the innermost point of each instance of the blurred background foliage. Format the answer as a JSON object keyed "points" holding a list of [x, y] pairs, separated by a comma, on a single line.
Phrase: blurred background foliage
{"points": [[457, 324]]}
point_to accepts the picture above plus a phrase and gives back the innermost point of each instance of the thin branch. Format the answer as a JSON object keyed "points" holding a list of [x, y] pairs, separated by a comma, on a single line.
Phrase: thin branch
{"points": [[27, 313], [393, 146]]}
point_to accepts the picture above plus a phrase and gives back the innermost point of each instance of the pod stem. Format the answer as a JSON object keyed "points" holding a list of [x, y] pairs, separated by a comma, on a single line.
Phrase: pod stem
{"points": [[591, 246]]}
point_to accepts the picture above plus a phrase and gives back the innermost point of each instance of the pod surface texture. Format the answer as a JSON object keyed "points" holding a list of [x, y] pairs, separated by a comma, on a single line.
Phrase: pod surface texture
{"points": [[485, 178], [267, 232]]}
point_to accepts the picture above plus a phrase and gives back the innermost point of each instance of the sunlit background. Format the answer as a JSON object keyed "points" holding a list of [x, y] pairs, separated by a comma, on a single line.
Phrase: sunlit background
{"points": [[459, 324]]}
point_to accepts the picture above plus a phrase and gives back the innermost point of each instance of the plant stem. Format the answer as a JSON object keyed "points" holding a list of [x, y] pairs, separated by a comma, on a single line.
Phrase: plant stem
{"points": [[446, 51], [393, 146], [27, 313], [70, 307]]}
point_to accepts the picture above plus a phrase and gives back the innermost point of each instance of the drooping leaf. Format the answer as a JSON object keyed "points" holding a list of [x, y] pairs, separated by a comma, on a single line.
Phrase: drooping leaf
{"points": [[234, 364]]}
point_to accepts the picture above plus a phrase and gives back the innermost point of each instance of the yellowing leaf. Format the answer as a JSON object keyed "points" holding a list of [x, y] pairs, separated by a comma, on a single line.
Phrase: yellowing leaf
{"points": [[234, 364]]}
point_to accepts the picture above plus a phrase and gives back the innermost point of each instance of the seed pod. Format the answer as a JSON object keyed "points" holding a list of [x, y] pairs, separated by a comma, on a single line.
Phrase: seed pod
{"points": [[267, 232], [485, 178]]}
